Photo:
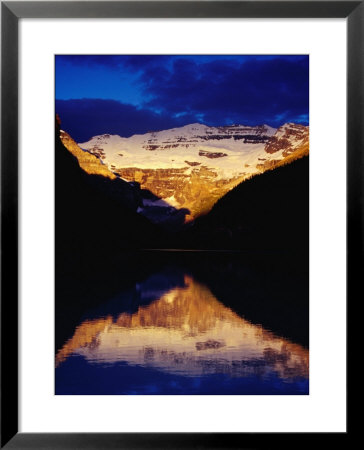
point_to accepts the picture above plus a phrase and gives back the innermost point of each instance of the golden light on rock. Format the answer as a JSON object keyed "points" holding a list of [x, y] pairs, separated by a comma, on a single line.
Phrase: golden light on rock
{"points": [[91, 164], [197, 191]]}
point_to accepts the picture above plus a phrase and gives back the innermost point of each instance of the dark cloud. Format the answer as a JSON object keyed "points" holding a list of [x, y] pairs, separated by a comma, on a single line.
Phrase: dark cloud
{"points": [[85, 118], [252, 91], [140, 62]]}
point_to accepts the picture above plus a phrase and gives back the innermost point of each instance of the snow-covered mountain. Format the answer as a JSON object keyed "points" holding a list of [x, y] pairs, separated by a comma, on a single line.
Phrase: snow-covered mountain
{"points": [[189, 168]]}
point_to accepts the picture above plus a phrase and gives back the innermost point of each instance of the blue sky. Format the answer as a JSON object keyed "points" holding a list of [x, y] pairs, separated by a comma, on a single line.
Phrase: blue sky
{"points": [[125, 94]]}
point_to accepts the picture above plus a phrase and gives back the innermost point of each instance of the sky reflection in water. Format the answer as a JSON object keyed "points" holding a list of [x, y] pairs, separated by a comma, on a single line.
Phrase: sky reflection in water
{"points": [[172, 336]]}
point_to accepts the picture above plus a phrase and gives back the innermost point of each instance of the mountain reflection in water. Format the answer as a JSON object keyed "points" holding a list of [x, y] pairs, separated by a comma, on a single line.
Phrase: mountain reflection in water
{"points": [[181, 332]]}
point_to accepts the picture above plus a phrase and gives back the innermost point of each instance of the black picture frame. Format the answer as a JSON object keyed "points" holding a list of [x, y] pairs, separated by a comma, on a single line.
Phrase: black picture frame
{"points": [[11, 12]]}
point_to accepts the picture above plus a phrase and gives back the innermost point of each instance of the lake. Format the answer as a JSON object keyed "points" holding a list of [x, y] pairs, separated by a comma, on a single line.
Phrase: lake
{"points": [[185, 323]]}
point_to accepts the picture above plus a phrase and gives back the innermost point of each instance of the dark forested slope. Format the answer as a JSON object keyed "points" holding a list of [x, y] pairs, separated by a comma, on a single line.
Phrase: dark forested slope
{"points": [[95, 216], [268, 211]]}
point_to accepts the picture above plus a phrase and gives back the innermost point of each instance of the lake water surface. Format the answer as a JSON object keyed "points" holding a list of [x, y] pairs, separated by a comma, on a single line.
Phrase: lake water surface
{"points": [[170, 333]]}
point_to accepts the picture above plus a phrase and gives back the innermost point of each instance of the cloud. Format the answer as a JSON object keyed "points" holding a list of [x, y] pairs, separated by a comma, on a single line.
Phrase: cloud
{"points": [[248, 91], [85, 118]]}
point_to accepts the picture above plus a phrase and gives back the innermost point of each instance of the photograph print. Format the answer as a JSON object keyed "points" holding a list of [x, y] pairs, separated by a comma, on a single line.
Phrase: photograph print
{"points": [[182, 224]]}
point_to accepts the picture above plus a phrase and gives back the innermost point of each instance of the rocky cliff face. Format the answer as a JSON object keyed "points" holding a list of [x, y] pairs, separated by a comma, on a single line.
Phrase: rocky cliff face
{"points": [[291, 142], [193, 191], [184, 171], [89, 162]]}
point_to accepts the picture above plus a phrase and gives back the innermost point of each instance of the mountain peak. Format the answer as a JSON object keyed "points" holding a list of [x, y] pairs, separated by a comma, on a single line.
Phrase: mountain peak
{"points": [[189, 168]]}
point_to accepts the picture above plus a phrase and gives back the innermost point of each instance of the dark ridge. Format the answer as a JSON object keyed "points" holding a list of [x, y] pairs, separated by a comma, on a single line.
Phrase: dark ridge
{"points": [[269, 211], [96, 212]]}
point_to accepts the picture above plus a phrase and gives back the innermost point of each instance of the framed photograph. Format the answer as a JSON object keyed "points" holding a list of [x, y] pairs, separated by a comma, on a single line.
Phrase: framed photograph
{"points": [[181, 221]]}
